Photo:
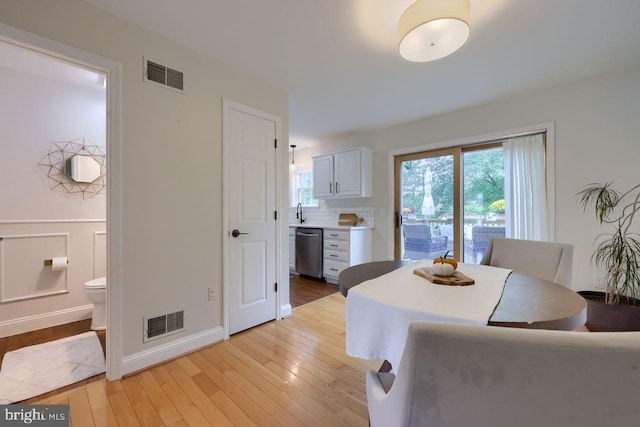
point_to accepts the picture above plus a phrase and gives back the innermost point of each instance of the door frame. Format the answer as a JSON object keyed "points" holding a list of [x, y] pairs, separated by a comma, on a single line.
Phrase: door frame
{"points": [[227, 106], [113, 71], [457, 194], [548, 127]]}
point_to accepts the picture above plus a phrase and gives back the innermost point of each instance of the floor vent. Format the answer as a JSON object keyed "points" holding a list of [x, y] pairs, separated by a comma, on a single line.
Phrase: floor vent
{"points": [[162, 75], [163, 325]]}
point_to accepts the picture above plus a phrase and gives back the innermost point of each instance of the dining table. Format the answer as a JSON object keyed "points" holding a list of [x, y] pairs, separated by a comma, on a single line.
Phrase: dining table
{"points": [[375, 327]]}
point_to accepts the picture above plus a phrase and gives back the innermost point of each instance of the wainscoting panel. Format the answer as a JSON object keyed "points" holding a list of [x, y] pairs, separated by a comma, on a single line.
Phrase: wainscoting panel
{"points": [[99, 254], [23, 274], [32, 296]]}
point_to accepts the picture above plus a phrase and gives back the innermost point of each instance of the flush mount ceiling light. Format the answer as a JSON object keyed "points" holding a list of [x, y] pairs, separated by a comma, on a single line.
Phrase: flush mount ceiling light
{"points": [[433, 29]]}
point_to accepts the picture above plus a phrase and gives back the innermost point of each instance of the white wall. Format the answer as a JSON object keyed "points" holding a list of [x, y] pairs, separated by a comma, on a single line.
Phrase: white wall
{"points": [[171, 163], [597, 128], [37, 223], [37, 111]]}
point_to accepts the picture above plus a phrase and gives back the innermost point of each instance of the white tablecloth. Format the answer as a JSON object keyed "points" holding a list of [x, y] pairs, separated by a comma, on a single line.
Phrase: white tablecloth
{"points": [[379, 311]]}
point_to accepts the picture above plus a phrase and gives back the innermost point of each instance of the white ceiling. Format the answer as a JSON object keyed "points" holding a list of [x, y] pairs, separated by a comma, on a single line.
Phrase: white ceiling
{"points": [[338, 58]]}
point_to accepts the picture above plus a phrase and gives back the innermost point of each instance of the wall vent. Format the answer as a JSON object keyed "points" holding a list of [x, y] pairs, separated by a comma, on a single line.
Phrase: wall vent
{"points": [[163, 325], [162, 75]]}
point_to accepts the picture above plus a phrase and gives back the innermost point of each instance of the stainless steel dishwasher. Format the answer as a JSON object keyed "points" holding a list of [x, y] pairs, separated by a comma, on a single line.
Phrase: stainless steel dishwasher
{"points": [[309, 251]]}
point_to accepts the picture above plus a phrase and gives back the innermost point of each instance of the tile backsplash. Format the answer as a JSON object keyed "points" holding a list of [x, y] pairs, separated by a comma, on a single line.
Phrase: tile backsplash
{"points": [[325, 216]]}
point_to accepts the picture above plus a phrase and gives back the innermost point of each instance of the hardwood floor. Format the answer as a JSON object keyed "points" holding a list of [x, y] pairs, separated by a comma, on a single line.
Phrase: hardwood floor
{"points": [[304, 290], [291, 372]]}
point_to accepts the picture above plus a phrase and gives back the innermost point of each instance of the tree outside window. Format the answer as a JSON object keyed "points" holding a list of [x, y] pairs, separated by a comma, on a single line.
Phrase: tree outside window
{"points": [[304, 188]]}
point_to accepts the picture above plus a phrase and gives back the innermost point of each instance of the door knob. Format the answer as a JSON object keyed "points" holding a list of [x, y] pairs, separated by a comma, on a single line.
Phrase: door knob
{"points": [[236, 233]]}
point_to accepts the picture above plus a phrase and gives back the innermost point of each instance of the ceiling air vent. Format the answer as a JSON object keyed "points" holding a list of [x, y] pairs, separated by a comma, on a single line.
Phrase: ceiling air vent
{"points": [[162, 75], [163, 325]]}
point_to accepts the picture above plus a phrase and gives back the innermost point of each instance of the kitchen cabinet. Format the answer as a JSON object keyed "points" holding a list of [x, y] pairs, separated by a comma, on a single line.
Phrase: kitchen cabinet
{"points": [[323, 177], [344, 247], [343, 174]]}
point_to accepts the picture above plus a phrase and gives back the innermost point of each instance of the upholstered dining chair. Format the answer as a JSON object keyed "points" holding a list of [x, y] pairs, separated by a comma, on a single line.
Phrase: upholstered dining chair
{"points": [[546, 260], [456, 375]]}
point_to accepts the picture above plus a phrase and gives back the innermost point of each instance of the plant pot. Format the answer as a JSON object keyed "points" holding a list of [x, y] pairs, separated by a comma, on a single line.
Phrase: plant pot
{"points": [[603, 317]]}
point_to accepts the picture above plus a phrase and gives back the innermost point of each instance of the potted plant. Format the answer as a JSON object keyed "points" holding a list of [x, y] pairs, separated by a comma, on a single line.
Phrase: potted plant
{"points": [[498, 208], [618, 254]]}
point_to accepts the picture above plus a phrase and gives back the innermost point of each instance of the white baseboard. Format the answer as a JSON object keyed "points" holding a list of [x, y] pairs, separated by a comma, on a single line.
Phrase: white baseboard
{"points": [[286, 310], [45, 320], [164, 352]]}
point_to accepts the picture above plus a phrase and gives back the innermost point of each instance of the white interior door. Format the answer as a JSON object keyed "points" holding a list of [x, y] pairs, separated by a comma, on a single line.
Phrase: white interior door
{"points": [[251, 221]]}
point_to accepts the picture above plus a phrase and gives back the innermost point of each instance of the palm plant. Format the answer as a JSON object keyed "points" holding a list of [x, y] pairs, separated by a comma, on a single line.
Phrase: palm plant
{"points": [[617, 251]]}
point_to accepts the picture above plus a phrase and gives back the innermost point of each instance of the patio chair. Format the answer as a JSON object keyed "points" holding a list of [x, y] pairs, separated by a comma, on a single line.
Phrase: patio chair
{"points": [[481, 235], [419, 243]]}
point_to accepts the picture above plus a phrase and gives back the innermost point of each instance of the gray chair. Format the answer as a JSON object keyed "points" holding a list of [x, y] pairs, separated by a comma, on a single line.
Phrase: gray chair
{"points": [[468, 375], [419, 243], [546, 260]]}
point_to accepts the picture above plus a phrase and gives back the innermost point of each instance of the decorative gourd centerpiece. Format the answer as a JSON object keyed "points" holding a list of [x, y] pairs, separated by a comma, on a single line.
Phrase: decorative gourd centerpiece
{"points": [[443, 266], [444, 271]]}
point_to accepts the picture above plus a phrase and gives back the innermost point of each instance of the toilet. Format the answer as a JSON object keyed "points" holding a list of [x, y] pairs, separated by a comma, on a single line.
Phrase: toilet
{"points": [[96, 291]]}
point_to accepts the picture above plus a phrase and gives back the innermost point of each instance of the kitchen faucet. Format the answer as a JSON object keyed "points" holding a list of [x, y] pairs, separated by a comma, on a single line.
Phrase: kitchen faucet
{"points": [[299, 213]]}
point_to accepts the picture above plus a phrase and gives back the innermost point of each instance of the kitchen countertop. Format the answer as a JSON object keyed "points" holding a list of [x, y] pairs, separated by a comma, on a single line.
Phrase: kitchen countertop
{"points": [[334, 226]]}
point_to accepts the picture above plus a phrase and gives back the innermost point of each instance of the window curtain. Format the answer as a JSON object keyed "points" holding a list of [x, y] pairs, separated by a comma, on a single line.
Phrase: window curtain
{"points": [[526, 188]]}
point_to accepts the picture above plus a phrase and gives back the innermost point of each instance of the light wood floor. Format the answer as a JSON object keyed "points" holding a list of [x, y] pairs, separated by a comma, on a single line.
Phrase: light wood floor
{"points": [[291, 372], [303, 290]]}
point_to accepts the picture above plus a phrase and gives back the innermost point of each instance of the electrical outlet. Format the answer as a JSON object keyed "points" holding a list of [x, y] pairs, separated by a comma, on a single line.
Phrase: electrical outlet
{"points": [[598, 283], [212, 293]]}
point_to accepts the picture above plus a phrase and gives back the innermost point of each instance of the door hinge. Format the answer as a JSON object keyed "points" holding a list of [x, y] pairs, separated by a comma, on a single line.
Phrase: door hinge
{"points": [[275, 143], [275, 287], [275, 215]]}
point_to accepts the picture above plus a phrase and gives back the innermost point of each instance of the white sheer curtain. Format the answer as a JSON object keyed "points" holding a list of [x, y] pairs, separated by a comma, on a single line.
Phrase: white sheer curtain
{"points": [[525, 188]]}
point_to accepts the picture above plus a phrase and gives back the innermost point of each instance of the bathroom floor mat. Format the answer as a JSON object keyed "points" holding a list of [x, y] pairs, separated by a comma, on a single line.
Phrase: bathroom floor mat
{"points": [[37, 369]]}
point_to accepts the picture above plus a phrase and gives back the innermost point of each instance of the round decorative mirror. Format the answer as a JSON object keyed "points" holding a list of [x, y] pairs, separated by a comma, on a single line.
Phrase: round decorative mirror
{"points": [[77, 167]]}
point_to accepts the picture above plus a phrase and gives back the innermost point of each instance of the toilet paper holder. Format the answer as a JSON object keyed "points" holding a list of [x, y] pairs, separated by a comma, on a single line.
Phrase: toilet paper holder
{"points": [[49, 262]]}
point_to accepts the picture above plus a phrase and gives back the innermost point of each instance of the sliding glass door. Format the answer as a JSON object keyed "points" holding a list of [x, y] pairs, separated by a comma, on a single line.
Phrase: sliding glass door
{"points": [[425, 194], [483, 199], [449, 200]]}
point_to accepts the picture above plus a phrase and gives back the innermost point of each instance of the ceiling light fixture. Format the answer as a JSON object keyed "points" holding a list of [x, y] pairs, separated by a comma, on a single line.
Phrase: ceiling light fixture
{"points": [[293, 155], [433, 29]]}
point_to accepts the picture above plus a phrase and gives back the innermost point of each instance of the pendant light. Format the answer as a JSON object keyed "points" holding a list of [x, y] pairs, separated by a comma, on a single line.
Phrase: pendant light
{"points": [[293, 156], [433, 29]]}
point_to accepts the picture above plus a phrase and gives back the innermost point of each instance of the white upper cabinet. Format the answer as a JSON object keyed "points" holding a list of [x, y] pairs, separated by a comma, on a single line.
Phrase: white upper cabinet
{"points": [[347, 173], [343, 174], [323, 177]]}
